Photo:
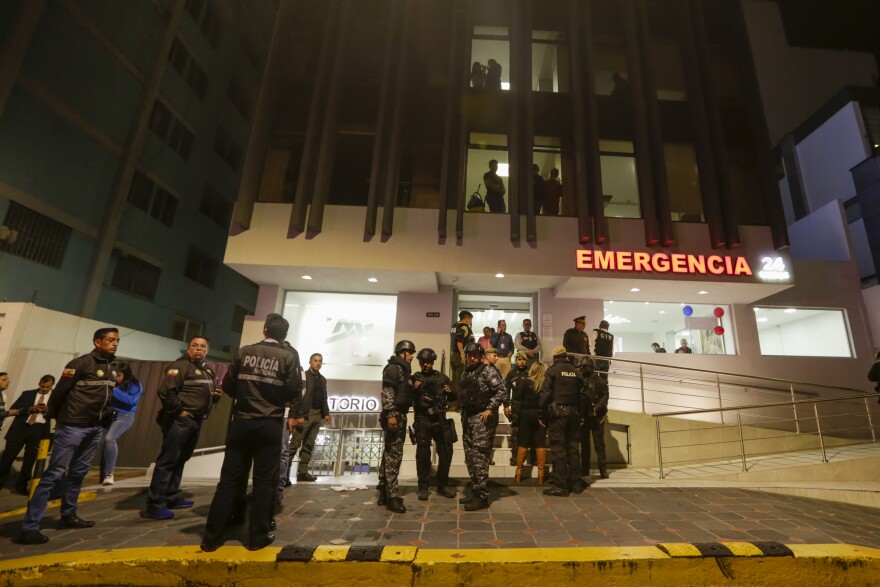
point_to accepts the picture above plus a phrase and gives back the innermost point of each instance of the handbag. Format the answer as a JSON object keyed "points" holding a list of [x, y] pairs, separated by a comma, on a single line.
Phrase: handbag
{"points": [[453, 435], [476, 203]]}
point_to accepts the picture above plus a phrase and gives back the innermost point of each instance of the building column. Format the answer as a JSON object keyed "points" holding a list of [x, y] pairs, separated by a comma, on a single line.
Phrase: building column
{"points": [[14, 49], [696, 81], [758, 126], [641, 146], [461, 138], [261, 130], [127, 166], [719, 144], [392, 164], [305, 182], [591, 116], [520, 137], [654, 127], [330, 127], [578, 20]]}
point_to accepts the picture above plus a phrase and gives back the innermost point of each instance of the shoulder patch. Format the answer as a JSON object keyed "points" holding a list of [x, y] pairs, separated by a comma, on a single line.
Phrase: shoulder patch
{"points": [[68, 373], [172, 372]]}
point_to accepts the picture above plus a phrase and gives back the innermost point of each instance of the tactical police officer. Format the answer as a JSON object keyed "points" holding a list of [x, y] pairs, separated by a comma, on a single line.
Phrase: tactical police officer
{"points": [[430, 424], [263, 379], [563, 400], [397, 396], [519, 372], [462, 335], [594, 424], [479, 396], [602, 343]]}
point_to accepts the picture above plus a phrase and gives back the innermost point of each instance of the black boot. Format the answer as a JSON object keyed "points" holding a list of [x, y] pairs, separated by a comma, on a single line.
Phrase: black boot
{"points": [[447, 492], [603, 472], [423, 494], [395, 504], [479, 502], [466, 499], [383, 495], [556, 492]]}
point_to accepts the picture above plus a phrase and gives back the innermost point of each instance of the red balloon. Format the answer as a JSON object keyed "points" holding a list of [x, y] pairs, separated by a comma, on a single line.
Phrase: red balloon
{"points": [[719, 330], [719, 312]]}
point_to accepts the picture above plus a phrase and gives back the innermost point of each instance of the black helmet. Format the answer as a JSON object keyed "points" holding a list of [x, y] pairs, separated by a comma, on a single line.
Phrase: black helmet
{"points": [[473, 348], [404, 345], [426, 356]]}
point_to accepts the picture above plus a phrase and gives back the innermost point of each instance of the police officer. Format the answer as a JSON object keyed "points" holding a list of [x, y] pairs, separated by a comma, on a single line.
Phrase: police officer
{"points": [[462, 335], [430, 424], [528, 342], [594, 424], [575, 340], [602, 343], [78, 405], [563, 401], [480, 394], [263, 379], [519, 372], [187, 393], [397, 396]]}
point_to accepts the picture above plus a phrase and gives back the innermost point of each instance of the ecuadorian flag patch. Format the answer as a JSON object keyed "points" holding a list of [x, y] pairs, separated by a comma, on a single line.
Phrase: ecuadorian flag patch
{"points": [[172, 372], [68, 373]]}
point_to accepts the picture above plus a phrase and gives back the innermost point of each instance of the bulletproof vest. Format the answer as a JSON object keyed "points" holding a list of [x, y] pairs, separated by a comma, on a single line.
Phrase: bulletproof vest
{"points": [[473, 393], [529, 339], [516, 374], [430, 394], [567, 384], [604, 343], [402, 389]]}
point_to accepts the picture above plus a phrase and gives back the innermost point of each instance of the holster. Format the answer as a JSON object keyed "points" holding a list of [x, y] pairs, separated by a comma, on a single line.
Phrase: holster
{"points": [[562, 410]]}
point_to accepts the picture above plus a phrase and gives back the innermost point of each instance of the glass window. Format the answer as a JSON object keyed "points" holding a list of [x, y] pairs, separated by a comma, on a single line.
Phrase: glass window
{"points": [[668, 69], [796, 332], [637, 325], [482, 150], [550, 62], [547, 155], [490, 58], [354, 332], [620, 188]]}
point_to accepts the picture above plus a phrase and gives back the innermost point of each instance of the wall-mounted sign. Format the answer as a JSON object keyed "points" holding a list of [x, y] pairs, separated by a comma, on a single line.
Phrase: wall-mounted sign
{"points": [[639, 262], [349, 403], [432, 314], [773, 269]]}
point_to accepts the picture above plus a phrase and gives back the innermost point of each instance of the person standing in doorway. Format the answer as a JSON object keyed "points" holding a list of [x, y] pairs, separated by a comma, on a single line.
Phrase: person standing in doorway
{"points": [[529, 343], [495, 189], [462, 335], [502, 342], [575, 340]]}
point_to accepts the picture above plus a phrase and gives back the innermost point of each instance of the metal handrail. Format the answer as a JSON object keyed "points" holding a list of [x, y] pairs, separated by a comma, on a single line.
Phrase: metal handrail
{"points": [[739, 426]]}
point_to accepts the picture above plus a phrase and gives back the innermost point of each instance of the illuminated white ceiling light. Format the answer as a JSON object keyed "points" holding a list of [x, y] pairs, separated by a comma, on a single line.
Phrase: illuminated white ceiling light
{"points": [[612, 319], [790, 310], [760, 319], [499, 275], [634, 289], [372, 279], [307, 277], [505, 85], [702, 292]]}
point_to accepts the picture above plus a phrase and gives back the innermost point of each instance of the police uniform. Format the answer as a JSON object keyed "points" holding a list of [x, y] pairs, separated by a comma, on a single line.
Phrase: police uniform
{"points": [[576, 341], [263, 379], [603, 346], [528, 341], [430, 425], [563, 401], [461, 333], [187, 386], [514, 377], [78, 404], [396, 401], [481, 389], [594, 425]]}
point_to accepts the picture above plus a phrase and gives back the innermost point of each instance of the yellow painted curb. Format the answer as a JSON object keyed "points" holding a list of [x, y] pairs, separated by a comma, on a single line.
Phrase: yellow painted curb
{"points": [[680, 549], [86, 496]]}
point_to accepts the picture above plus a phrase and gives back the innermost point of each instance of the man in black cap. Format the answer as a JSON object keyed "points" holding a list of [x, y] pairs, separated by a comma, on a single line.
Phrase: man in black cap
{"points": [[462, 334], [575, 339]]}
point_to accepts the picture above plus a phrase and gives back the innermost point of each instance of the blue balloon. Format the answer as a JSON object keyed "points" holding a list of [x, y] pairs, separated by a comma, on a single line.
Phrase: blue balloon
{"points": [[687, 310]]}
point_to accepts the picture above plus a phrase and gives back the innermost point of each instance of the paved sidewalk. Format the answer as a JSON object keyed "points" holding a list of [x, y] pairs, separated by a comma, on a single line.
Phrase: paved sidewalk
{"points": [[519, 517]]}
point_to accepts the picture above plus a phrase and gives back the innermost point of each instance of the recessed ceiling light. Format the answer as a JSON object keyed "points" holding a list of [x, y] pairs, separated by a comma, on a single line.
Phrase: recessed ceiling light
{"points": [[306, 276], [662, 311], [647, 303], [635, 289], [372, 279], [760, 319], [499, 275], [702, 292], [790, 310]]}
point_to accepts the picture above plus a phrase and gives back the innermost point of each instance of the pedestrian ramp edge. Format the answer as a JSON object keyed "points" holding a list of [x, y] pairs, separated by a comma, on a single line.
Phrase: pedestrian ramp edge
{"points": [[730, 563]]}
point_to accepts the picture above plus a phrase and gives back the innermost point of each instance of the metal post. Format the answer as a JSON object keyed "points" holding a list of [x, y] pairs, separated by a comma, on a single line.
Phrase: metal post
{"points": [[819, 430], [797, 424], [870, 421], [339, 453], [720, 402], [659, 447], [742, 444], [642, 385]]}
